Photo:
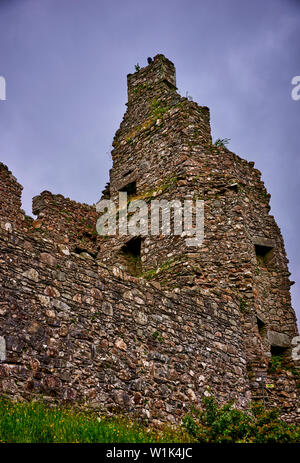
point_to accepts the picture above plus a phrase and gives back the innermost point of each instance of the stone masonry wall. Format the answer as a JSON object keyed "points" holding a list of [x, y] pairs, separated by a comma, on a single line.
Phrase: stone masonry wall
{"points": [[67, 222], [10, 194], [75, 330]]}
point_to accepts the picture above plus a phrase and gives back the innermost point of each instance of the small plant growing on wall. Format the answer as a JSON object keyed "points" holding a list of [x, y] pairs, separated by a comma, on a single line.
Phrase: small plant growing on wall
{"points": [[222, 142]]}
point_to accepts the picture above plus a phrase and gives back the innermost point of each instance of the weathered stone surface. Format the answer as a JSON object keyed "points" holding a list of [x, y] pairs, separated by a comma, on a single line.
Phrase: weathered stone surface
{"points": [[32, 274], [120, 344], [278, 339], [8, 227], [48, 259], [2, 349], [141, 318]]}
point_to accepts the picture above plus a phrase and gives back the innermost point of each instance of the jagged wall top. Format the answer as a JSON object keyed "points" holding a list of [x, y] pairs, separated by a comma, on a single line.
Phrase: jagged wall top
{"points": [[159, 70]]}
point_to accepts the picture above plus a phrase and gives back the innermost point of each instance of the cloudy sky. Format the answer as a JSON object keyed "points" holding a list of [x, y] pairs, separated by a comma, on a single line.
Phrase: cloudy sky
{"points": [[65, 64]]}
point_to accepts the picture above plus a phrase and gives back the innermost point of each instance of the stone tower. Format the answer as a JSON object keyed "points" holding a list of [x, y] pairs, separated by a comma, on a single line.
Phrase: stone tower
{"points": [[164, 150]]}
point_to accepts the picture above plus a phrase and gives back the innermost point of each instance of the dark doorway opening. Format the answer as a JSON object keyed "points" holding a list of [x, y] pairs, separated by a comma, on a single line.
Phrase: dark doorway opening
{"points": [[265, 256], [130, 188], [277, 351], [131, 253], [261, 326], [279, 359]]}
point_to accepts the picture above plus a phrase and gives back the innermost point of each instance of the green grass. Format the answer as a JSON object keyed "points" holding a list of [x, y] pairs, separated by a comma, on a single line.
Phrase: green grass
{"points": [[36, 422], [222, 142], [158, 108]]}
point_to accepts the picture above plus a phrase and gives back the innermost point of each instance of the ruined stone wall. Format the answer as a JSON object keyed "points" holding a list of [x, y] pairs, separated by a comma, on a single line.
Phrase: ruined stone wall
{"points": [[10, 204], [76, 325], [164, 145], [75, 330], [67, 222]]}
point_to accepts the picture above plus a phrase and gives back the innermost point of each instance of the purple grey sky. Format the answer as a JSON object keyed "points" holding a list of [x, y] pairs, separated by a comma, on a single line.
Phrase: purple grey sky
{"points": [[65, 63]]}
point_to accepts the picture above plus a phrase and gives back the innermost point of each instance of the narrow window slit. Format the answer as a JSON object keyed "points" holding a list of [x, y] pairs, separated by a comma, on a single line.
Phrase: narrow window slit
{"points": [[265, 256], [279, 358], [130, 189], [127, 173], [261, 326], [131, 253]]}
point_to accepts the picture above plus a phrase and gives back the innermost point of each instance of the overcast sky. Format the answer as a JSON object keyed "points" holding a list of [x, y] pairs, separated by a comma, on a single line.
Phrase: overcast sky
{"points": [[65, 63]]}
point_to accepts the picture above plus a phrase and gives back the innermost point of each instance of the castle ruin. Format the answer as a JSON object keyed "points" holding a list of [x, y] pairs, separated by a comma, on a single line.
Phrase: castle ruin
{"points": [[146, 324]]}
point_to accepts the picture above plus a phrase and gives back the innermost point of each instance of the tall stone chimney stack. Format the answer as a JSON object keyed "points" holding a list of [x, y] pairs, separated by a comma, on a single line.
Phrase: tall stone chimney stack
{"points": [[160, 70]]}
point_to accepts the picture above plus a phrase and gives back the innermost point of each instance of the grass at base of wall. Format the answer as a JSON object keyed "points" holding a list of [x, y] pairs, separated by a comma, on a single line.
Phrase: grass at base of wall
{"points": [[36, 422]]}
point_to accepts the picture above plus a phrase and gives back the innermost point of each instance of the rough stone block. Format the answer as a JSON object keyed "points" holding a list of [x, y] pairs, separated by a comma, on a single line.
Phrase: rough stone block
{"points": [[278, 339], [2, 349]]}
